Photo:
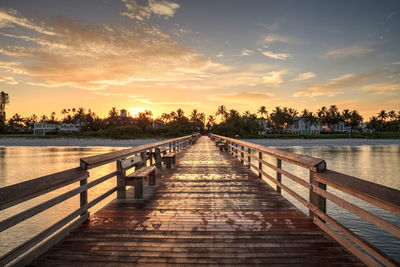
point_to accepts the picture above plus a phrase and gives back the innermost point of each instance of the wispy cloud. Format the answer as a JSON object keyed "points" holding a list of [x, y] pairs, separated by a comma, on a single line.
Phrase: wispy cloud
{"points": [[220, 54], [390, 88], [281, 56], [304, 76], [245, 96], [9, 80], [273, 78], [10, 18], [354, 50], [337, 85], [163, 8], [180, 31], [273, 37], [246, 52]]}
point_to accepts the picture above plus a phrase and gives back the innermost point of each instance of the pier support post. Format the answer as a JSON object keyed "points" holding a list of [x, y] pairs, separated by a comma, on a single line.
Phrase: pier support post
{"points": [[121, 186], [278, 174], [260, 165]]}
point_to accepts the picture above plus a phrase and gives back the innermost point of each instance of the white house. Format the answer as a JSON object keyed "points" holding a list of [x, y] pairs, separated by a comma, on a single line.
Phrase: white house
{"points": [[263, 123], [301, 127], [46, 127], [337, 128]]}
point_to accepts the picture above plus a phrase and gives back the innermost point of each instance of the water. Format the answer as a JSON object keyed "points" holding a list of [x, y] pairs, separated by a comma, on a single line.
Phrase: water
{"points": [[379, 164]]}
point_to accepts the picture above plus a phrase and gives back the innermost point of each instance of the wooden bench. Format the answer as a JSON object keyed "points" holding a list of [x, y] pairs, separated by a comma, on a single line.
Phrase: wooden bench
{"points": [[223, 146], [136, 180], [167, 157]]}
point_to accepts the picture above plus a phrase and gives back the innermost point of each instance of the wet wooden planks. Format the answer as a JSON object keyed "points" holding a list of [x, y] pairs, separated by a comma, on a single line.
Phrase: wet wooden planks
{"points": [[209, 210]]}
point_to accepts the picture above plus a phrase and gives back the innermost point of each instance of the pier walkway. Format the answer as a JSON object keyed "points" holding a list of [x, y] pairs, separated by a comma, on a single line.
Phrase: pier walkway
{"points": [[209, 209]]}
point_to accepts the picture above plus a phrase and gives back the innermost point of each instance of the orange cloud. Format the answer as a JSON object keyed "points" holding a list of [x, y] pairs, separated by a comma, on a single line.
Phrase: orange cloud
{"points": [[336, 85], [96, 56]]}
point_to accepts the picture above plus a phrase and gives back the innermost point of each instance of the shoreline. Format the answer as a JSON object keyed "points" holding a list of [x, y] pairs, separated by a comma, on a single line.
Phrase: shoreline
{"points": [[136, 142]]}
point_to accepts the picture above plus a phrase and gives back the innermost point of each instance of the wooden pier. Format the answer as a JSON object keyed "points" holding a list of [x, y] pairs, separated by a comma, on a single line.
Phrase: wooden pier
{"points": [[208, 209]]}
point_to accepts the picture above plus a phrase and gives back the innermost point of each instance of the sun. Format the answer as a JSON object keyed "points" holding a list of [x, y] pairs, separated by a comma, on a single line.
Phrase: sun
{"points": [[134, 112]]}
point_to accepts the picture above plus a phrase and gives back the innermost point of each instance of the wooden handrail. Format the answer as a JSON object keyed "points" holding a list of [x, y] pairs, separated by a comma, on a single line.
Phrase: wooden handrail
{"points": [[382, 196], [97, 160], [378, 195], [17, 193], [305, 161]]}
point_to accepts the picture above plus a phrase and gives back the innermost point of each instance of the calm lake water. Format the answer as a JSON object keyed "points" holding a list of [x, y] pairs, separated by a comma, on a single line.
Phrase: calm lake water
{"points": [[379, 164]]}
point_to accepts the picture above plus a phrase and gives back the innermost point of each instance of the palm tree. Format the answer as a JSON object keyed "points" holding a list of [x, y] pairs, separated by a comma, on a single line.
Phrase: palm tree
{"points": [[179, 114], [211, 120], [382, 115], [392, 115], [346, 116], [222, 111], [355, 120], [263, 110], [194, 115], [4, 99]]}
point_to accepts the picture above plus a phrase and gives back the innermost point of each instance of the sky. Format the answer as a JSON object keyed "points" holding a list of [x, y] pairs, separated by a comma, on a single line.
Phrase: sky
{"points": [[162, 55]]}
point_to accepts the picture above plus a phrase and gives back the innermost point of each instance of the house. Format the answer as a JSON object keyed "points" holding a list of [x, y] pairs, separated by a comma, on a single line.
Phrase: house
{"points": [[158, 124], [302, 127], [339, 127], [52, 127], [123, 113], [69, 127], [44, 127], [263, 123]]}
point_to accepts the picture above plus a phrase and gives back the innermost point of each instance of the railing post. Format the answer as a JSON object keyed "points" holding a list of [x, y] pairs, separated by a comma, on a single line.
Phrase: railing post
{"points": [[236, 150], [278, 174], [121, 185], [315, 199], [242, 154], [260, 164], [144, 159], [248, 156], [151, 156], [83, 194], [174, 145], [157, 157]]}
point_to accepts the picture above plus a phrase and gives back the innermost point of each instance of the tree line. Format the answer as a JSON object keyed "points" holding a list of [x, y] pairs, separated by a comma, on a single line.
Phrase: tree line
{"points": [[176, 123]]}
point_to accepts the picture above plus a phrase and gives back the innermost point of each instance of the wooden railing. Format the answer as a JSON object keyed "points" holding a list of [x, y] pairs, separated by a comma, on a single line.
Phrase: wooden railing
{"points": [[319, 178], [24, 191]]}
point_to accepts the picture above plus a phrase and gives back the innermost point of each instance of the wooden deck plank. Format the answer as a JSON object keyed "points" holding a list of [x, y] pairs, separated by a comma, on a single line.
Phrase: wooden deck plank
{"points": [[209, 210]]}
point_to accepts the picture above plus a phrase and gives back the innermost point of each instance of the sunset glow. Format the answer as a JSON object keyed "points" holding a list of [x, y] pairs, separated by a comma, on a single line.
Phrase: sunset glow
{"points": [[164, 55]]}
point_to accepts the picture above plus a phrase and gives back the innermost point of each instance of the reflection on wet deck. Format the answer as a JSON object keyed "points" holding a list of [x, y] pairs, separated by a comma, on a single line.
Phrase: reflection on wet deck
{"points": [[209, 210]]}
